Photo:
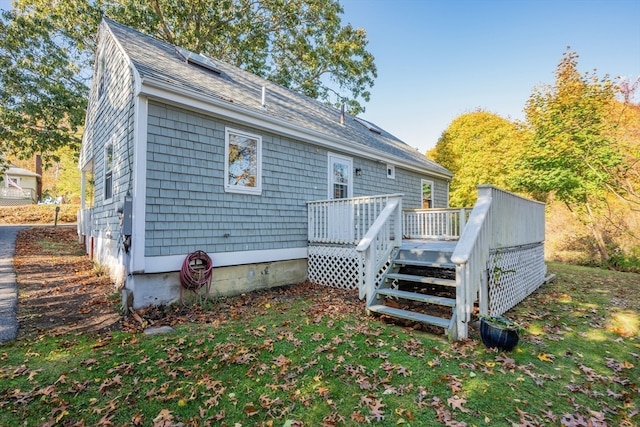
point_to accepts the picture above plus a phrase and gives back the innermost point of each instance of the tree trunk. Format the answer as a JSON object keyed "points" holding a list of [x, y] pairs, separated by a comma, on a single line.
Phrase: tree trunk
{"points": [[597, 235]]}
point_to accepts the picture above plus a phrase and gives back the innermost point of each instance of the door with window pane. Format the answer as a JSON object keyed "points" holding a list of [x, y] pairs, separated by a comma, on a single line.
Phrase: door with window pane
{"points": [[340, 215]]}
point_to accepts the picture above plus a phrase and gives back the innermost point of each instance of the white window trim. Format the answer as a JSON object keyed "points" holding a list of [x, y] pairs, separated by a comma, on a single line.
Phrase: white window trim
{"points": [[257, 190], [108, 170], [330, 158], [8, 178], [422, 183], [391, 171]]}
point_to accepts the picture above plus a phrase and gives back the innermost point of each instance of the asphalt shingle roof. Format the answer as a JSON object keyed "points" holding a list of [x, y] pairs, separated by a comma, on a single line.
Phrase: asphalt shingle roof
{"points": [[161, 61]]}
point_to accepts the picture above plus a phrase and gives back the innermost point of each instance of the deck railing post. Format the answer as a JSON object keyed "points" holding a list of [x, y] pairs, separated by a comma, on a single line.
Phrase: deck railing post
{"points": [[461, 284], [369, 273], [398, 224]]}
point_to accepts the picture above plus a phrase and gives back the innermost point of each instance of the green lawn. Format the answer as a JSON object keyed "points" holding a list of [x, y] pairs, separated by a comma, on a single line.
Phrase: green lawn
{"points": [[292, 360]]}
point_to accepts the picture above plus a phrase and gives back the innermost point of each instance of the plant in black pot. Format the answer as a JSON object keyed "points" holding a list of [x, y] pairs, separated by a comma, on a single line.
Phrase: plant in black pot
{"points": [[499, 332]]}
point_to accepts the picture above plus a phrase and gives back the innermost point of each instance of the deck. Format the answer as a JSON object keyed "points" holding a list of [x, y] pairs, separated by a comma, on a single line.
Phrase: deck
{"points": [[490, 257]]}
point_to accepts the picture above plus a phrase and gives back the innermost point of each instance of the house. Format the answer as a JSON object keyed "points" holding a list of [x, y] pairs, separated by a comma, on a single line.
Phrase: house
{"points": [[19, 187], [188, 153]]}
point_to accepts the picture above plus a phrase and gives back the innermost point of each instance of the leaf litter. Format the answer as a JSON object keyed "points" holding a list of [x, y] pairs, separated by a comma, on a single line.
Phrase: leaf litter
{"points": [[246, 360]]}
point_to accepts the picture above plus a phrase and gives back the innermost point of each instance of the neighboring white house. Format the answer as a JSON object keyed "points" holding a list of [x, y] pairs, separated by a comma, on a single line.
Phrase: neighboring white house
{"points": [[18, 187], [189, 153]]}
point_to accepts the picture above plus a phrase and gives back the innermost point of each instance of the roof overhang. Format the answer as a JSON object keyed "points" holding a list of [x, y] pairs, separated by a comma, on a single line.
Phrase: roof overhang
{"points": [[189, 99]]}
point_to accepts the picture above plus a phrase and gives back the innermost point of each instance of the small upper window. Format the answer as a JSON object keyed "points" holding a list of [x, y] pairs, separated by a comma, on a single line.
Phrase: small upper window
{"points": [[391, 171], [243, 162], [102, 77], [108, 172]]}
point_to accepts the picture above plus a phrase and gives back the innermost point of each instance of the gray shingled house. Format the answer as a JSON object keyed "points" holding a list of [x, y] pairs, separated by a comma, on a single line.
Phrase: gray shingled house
{"points": [[163, 125], [188, 154]]}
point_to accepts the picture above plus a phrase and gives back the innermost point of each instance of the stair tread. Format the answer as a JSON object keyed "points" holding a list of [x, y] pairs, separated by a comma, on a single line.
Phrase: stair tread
{"points": [[414, 296], [410, 315], [422, 279], [419, 263]]}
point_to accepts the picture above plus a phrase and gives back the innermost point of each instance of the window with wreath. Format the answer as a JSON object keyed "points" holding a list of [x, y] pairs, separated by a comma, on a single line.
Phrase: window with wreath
{"points": [[243, 162]]}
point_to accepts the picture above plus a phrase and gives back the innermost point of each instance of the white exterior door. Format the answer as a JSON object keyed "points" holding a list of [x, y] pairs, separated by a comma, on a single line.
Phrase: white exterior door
{"points": [[340, 215], [340, 182]]}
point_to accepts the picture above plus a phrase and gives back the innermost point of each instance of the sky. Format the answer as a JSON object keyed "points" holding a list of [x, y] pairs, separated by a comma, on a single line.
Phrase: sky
{"points": [[439, 59]]}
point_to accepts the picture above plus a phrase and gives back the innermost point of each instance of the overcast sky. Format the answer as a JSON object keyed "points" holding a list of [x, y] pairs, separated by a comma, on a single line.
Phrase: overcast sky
{"points": [[438, 59]]}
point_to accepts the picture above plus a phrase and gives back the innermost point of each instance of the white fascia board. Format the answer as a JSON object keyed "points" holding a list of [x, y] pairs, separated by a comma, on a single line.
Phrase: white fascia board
{"points": [[192, 100], [165, 264]]}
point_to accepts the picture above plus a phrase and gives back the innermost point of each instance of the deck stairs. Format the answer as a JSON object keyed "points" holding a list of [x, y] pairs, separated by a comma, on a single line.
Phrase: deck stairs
{"points": [[420, 285]]}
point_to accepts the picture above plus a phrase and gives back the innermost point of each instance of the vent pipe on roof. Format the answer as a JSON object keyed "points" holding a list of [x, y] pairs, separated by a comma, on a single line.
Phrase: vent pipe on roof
{"points": [[342, 115], [264, 96]]}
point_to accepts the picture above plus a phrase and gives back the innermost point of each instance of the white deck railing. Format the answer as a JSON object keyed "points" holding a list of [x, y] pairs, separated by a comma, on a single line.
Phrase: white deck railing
{"points": [[344, 221], [499, 220], [337, 226], [377, 245], [434, 223], [84, 227], [18, 193]]}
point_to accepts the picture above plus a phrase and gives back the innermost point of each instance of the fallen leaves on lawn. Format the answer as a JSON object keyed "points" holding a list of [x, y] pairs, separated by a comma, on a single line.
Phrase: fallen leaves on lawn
{"points": [[285, 369]]}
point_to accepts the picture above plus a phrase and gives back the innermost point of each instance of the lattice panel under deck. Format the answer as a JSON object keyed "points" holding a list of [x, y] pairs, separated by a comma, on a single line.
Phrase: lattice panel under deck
{"points": [[513, 275], [383, 270], [338, 267]]}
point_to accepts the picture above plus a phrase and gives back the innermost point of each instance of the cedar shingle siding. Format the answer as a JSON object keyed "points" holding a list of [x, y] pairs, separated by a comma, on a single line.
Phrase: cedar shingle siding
{"points": [[166, 121]]}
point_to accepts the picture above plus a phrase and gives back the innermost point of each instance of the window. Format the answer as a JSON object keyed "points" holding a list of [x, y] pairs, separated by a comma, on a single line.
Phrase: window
{"points": [[12, 181], [243, 162], [391, 172], [108, 172], [427, 194], [340, 183], [102, 71]]}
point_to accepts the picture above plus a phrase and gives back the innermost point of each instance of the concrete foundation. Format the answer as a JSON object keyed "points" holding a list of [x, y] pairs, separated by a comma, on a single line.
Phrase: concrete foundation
{"points": [[164, 288]]}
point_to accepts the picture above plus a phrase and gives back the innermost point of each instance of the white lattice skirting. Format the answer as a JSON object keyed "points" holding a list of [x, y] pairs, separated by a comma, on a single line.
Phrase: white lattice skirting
{"points": [[514, 273], [336, 266]]}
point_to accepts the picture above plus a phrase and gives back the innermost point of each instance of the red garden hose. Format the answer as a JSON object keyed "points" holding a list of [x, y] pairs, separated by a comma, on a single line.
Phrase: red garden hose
{"points": [[197, 270]]}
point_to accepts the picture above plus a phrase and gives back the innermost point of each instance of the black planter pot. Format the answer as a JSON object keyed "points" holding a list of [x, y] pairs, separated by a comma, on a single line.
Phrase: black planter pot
{"points": [[498, 336]]}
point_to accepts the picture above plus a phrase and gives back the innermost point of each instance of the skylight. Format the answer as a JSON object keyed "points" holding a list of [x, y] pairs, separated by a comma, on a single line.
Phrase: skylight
{"points": [[197, 59], [368, 125]]}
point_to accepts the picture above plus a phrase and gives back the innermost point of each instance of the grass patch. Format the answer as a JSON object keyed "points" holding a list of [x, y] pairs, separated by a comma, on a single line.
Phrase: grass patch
{"points": [[301, 361]]}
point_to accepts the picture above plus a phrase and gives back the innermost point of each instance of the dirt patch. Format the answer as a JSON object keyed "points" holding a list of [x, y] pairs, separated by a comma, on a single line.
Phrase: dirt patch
{"points": [[59, 290]]}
